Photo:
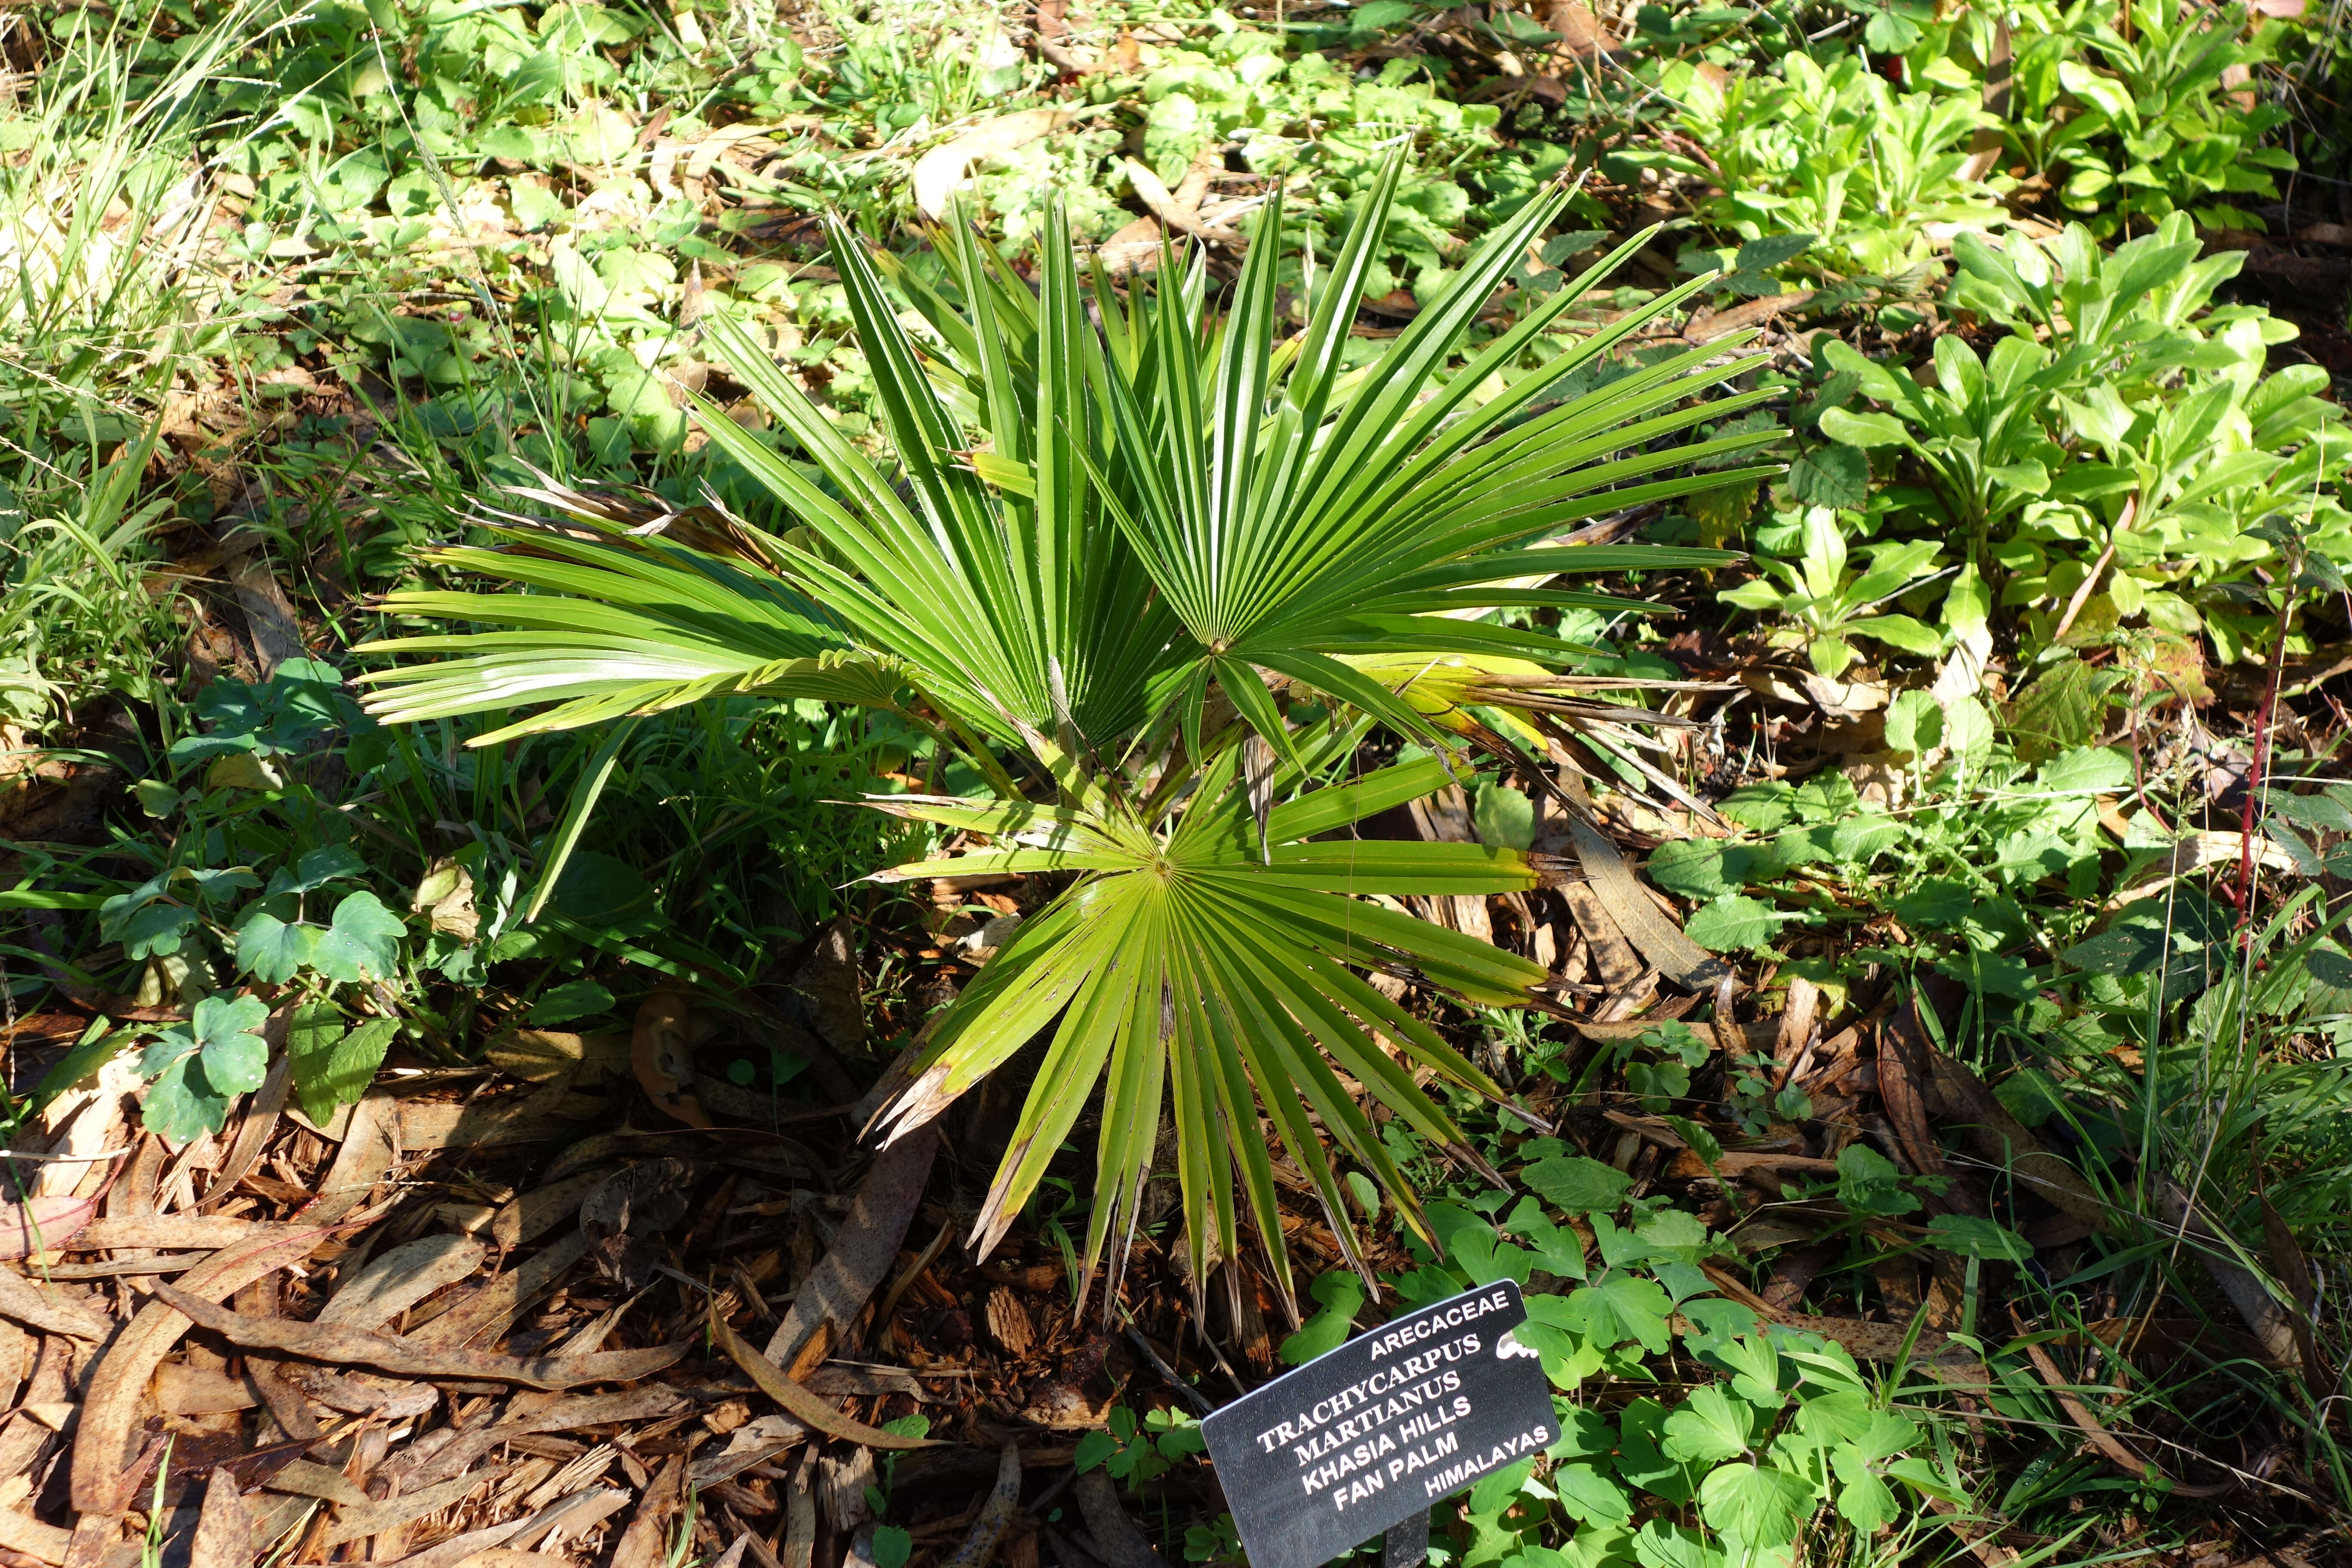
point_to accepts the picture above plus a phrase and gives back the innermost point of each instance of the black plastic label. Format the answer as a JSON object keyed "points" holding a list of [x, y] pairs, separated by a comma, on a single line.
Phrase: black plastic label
{"points": [[1324, 1459]]}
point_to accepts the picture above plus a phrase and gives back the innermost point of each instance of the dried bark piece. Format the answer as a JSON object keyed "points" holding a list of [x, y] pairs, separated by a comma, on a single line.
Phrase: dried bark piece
{"points": [[864, 1249], [1008, 1322], [534, 1214], [225, 1537], [994, 1513], [841, 1488], [22, 1533], [52, 1311], [405, 1358], [396, 1281], [1123, 1546], [489, 1311], [364, 1518], [110, 1411], [371, 1143], [576, 1511], [303, 1479], [640, 1545], [798, 1402]]}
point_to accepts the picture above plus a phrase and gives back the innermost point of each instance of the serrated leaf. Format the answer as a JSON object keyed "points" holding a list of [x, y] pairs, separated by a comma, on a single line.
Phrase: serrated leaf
{"points": [[1834, 476], [1915, 723], [1731, 924], [333, 1068], [1575, 1184]]}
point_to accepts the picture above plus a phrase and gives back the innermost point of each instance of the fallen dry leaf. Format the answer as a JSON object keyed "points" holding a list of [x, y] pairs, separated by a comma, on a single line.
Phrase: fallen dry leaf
{"points": [[109, 1410], [50, 1310], [406, 1358], [37, 1225], [798, 1402], [396, 1281], [225, 1533], [864, 1248], [939, 170]]}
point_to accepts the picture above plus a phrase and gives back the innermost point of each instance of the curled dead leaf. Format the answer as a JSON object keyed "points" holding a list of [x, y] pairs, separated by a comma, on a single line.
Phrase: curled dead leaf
{"points": [[798, 1402]]}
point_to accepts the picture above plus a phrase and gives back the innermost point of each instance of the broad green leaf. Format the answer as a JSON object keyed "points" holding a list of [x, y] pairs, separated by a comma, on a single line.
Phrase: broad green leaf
{"points": [[227, 1034], [1575, 1184], [1863, 429], [573, 999], [1342, 1296], [1708, 1426], [1754, 1505], [274, 950], [182, 1104], [1863, 1501], [1591, 1498], [1915, 723], [317, 868], [332, 1066], [1623, 1307], [361, 942], [1733, 923]]}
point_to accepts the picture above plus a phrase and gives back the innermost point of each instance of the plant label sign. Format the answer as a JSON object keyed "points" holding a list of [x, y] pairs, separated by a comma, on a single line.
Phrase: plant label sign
{"points": [[1324, 1459]]}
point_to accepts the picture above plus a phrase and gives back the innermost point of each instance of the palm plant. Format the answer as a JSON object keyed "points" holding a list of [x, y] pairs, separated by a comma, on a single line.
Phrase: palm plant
{"points": [[1107, 558]]}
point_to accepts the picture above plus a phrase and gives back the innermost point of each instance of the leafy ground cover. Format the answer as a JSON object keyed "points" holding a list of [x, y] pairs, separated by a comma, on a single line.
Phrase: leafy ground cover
{"points": [[1901, 1056]]}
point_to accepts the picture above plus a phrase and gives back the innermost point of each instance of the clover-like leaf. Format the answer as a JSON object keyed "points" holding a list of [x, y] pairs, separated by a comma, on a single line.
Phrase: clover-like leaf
{"points": [[1591, 1498], [362, 942], [274, 950], [227, 1034], [181, 1104], [317, 868], [1754, 1505], [1755, 1368], [158, 929], [1707, 1428]]}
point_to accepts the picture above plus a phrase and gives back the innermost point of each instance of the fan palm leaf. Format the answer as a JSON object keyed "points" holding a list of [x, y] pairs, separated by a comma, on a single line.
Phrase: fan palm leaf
{"points": [[1117, 532]]}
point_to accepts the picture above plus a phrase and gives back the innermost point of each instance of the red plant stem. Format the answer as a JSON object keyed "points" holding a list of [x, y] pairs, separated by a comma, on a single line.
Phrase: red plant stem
{"points": [[2261, 764]]}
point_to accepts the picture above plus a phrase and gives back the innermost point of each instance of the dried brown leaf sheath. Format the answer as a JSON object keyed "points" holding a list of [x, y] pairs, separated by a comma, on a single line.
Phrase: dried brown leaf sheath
{"points": [[404, 1358], [798, 1402]]}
